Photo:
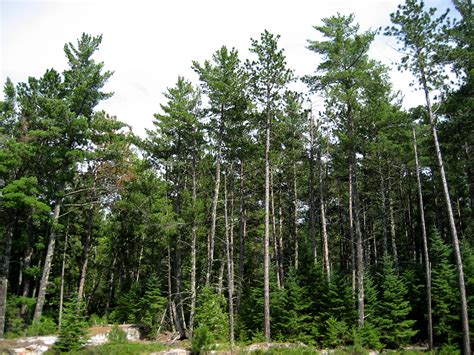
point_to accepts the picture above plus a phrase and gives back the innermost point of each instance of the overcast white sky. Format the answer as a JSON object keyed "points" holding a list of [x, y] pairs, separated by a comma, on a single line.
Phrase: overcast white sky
{"points": [[149, 43]]}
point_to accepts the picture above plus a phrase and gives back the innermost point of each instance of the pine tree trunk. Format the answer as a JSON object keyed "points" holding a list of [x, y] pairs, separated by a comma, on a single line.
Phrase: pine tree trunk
{"points": [[47, 264], [266, 239], [242, 235], [281, 270], [173, 320], [212, 233], [274, 232], [7, 244], [312, 207], [393, 233], [425, 245], [295, 217], [85, 257], [193, 255], [384, 210], [452, 224], [324, 233], [358, 233], [230, 276], [351, 232], [63, 269]]}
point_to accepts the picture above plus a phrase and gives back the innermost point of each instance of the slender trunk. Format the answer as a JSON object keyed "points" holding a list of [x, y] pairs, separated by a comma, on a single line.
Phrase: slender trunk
{"points": [[140, 257], [7, 244], [111, 286], [393, 232], [358, 233], [26, 264], [63, 269], [230, 276], [312, 207], [212, 233], [173, 320], [452, 224], [266, 239], [274, 232], [351, 232], [47, 264], [425, 245], [384, 210], [85, 258], [220, 278], [193, 255], [281, 270], [295, 217], [324, 233], [242, 234]]}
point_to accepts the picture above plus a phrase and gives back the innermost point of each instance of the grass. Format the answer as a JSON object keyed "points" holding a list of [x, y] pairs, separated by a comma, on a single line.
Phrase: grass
{"points": [[128, 348]]}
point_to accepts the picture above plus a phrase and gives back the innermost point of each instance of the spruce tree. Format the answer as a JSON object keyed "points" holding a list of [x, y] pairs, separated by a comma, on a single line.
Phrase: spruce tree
{"points": [[395, 329]]}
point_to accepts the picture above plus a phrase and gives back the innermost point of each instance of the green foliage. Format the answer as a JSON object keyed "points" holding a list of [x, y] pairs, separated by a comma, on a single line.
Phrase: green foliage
{"points": [[337, 332], [44, 326], [152, 306], [202, 340], [210, 312], [16, 323], [72, 334], [445, 296], [95, 320], [117, 335], [130, 348], [395, 329]]}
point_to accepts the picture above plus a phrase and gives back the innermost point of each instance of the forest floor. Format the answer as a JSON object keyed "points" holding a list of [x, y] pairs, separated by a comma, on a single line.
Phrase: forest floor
{"points": [[165, 345]]}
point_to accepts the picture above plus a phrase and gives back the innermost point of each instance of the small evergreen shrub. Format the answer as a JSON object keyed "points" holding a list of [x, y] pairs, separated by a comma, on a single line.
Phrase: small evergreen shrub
{"points": [[202, 340], [117, 335], [45, 326], [210, 313], [336, 333], [72, 335]]}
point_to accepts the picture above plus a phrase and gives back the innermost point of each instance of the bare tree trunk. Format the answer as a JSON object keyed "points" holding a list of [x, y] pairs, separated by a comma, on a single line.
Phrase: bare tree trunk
{"points": [[274, 232], [312, 204], [327, 266], [173, 320], [140, 257], [7, 244], [229, 254], [351, 232], [358, 233], [220, 279], [281, 270], [193, 255], [63, 269], [295, 217], [425, 245], [452, 224], [47, 264], [212, 233], [85, 257], [393, 232], [266, 239], [242, 235]]}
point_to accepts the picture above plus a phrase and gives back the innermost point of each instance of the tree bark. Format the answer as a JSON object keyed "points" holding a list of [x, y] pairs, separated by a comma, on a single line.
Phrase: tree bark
{"points": [[229, 253], [85, 257], [212, 233], [425, 245], [47, 264], [266, 239], [393, 232], [358, 233], [242, 235], [7, 244], [193, 255], [63, 269], [452, 224], [324, 233], [312, 207]]}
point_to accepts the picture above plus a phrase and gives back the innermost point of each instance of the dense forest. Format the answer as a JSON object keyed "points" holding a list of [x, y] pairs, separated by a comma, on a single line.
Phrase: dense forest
{"points": [[247, 214]]}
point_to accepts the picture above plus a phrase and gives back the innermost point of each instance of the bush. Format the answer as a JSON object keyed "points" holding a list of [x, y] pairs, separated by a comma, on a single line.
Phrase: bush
{"points": [[202, 340], [94, 320], [210, 313], [117, 335], [72, 334], [336, 332], [45, 326]]}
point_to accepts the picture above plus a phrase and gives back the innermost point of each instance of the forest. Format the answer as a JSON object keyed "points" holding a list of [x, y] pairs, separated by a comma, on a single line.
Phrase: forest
{"points": [[246, 214]]}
